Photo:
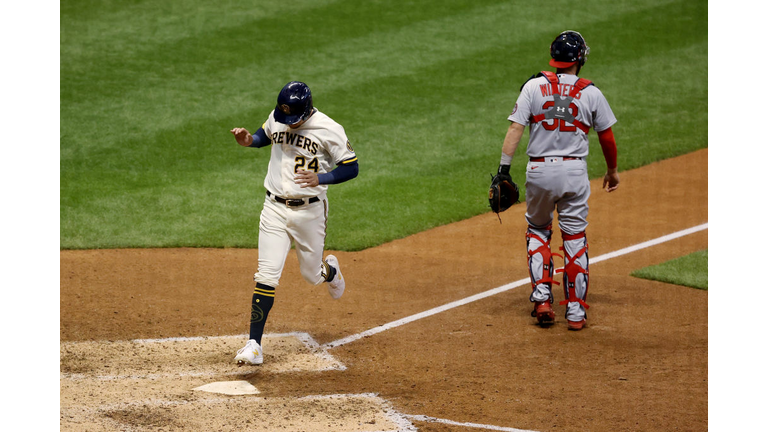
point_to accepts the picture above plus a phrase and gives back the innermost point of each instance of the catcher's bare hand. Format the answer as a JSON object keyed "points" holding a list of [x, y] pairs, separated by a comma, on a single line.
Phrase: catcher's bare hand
{"points": [[306, 179], [242, 136], [611, 181]]}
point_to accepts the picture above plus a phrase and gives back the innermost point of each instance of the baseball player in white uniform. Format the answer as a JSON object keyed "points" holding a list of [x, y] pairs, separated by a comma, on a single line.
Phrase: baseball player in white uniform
{"points": [[560, 109], [309, 151]]}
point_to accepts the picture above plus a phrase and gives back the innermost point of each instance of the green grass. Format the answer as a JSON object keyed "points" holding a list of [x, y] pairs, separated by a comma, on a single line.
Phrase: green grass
{"points": [[690, 270], [149, 91]]}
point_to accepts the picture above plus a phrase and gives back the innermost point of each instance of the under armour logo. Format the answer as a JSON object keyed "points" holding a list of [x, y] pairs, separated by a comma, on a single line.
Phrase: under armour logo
{"points": [[560, 109]]}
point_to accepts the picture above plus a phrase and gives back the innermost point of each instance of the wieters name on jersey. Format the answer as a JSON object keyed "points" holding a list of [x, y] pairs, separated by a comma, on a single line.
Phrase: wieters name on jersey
{"points": [[565, 89]]}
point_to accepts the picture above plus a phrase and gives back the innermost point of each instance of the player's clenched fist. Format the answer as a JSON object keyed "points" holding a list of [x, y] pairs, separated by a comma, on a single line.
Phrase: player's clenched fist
{"points": [[242, 136]]}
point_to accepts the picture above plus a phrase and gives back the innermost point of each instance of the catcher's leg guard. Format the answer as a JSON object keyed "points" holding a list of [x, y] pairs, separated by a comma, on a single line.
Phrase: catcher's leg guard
{"points": [[541, 267], [575, 276]]}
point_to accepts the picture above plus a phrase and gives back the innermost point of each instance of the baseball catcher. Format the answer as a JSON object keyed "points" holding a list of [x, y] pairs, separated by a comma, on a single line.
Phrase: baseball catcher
{"points": [[560, 109]]}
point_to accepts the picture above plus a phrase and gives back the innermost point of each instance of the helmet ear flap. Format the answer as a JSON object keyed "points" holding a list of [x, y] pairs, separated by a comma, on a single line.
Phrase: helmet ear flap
{"points": [[309, 108], [583, 49], [585, 53]]}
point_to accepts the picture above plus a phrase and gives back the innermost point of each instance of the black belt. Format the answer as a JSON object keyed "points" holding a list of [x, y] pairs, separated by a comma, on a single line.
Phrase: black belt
{"points": [[541, 159], [293, 202]]}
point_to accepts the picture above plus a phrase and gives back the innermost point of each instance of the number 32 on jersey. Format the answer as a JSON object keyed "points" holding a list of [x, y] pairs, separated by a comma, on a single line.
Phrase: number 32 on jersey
{"points": [[562, 124]]}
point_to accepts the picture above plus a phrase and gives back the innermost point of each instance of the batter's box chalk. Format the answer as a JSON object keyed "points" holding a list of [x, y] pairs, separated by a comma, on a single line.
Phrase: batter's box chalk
{"points": [[190, 357]]}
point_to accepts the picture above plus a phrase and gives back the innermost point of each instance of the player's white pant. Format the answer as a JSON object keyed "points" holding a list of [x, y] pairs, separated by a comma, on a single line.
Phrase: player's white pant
{"points": [[561, 185], [281, 225]]}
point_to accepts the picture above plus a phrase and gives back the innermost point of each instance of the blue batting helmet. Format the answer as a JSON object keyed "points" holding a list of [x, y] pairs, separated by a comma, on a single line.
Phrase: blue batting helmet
{"points": [[294, 103], [568, 48]]}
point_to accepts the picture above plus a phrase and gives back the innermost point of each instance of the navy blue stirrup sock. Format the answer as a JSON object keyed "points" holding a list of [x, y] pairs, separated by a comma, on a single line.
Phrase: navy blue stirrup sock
{"points": [[261, 303]]}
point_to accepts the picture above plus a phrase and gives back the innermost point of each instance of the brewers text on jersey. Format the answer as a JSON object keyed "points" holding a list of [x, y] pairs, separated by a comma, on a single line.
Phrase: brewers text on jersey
{"points": [[285, 137]]}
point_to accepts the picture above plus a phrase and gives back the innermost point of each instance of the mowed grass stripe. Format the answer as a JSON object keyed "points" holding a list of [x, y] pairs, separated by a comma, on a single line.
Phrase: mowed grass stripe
{"points": [[231, 69], [134, 25], [369, 89], [164, 85], [474, 144], [436, 118]]}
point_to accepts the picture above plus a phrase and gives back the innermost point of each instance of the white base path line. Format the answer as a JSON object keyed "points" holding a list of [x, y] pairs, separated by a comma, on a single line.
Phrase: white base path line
{"points": [[399, 420], [302, 336], [507, 287], [424, 418]]}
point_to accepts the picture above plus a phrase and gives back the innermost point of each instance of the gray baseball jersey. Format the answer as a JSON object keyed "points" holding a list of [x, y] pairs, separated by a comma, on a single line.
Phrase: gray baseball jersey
{"points": [[589, 107]]}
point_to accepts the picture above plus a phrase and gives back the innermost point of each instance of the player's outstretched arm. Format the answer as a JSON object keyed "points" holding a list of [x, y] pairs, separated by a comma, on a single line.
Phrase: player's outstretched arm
{"points": [[242, 136], [245, 139]]}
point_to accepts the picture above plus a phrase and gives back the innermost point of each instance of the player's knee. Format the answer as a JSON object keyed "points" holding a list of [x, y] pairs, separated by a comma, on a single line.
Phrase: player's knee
{"points": [[266, 279], [572, 226]]}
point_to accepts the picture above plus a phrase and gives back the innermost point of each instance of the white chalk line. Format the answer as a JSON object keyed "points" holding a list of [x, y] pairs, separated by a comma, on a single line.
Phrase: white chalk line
{"points": [[428, 419], [84, 377], [507, 287], [303, 337], [400, 420]]}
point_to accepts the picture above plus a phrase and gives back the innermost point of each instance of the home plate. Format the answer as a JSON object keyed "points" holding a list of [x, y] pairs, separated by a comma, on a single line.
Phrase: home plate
{"points": [[229, 388]]}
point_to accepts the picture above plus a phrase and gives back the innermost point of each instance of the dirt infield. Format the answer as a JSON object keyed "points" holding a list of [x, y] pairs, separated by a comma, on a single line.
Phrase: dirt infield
{"points": [[641, 364]]}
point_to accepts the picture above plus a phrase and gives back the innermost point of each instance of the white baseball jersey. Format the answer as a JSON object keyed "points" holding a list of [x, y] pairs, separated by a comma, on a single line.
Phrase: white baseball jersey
{"points": [[554, 137], [318, 145]]}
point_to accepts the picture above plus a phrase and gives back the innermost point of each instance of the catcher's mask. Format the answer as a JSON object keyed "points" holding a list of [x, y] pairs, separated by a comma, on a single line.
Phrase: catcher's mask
{"points": [[568, 48], [294, 103]]}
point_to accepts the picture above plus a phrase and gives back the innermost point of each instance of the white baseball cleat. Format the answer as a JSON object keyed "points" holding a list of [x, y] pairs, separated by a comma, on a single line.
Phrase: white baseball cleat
{"points": [[336, 285], [251, 353]]}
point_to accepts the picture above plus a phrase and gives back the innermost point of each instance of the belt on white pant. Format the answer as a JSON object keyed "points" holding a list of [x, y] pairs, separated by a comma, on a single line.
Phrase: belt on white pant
{"points": [[293, 202], [552, 159]]}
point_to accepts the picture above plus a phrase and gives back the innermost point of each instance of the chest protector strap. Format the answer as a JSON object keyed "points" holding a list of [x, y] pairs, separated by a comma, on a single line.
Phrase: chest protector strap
{"points": [[560, 110]]}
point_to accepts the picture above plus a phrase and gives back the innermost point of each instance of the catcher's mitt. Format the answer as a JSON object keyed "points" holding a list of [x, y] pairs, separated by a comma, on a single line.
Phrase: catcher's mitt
{"points": [[503, 193]]}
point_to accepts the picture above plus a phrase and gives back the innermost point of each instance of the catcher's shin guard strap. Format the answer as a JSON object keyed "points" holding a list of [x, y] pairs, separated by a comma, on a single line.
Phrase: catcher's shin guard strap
{"points": [[547, 264], [572, 271]]}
